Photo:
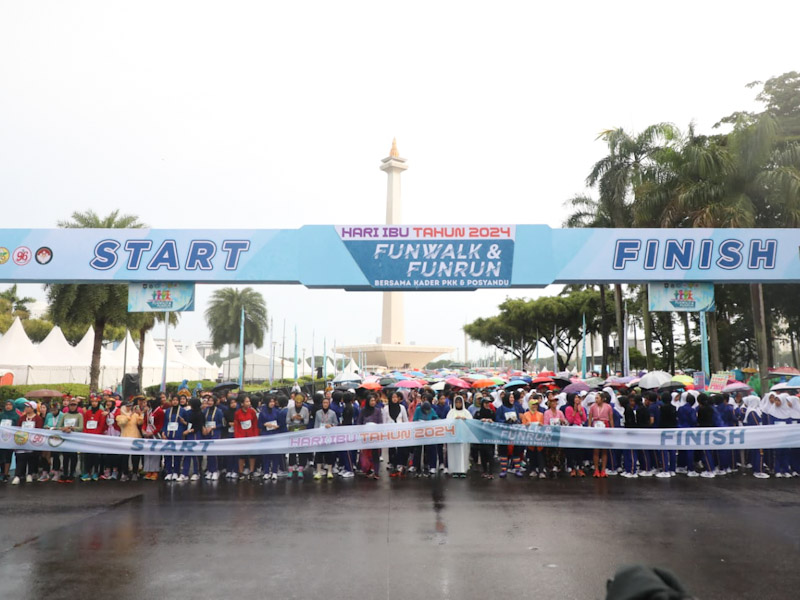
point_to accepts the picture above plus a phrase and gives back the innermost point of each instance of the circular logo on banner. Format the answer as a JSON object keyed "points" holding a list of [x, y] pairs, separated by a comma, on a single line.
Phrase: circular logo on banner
{"points": [[55, 440], [21, 438], [4, 255], [37, 439], [6, 435], [22, 256], [44, 255]]}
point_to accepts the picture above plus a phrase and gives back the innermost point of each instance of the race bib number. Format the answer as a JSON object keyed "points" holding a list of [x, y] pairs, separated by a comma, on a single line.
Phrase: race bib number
{"points": [[272, 424], [110, 420], [599, 425], [173, 426], [70, 422], [6, 422], [28, 424], [246, 424], [230, 429], [512, 416], [91, 425], [210, 425]]}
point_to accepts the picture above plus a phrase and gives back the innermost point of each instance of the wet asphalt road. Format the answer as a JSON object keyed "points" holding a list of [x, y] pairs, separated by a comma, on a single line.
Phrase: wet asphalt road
{"points": [[470, 539]]}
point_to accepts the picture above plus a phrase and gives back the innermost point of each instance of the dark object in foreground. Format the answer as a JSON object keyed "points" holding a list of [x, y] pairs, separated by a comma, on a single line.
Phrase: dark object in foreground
{"points": [[637, 582]]}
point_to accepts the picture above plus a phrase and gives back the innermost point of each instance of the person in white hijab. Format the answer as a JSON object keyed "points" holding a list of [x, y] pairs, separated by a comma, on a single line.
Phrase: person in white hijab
{"points": [[781, 412], [752, 417], [794, 453], [458, 454]]}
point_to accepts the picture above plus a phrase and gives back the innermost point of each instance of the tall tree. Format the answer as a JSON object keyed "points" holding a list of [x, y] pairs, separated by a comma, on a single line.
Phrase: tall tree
{"points": [[18, 304], [98, 305], [224, 317]]}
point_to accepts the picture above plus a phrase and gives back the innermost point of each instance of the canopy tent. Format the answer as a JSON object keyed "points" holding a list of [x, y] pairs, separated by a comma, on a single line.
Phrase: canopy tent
{"points": [[258, 367], [55, 350]]}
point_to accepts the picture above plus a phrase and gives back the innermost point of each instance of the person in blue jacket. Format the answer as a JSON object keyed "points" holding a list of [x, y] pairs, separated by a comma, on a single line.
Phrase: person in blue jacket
{"points": [[510, 414], [727, 418], [174, 425], [214, 425], [442, 407], [425, 412], [270, 423], [687, 417]]}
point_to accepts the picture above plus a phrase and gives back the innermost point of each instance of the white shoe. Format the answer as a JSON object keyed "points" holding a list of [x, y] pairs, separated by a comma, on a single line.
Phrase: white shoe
{"points": [[728, 471], [347, 475], [215, 476], [124, 478], [681, 470], [795, 474], [445, 471], [612, 472], [266, 477], [693, 474], [183, 478], [234, 476], [195, 477], [274, 477], [707, 474], [779, 475], [761, 475], [29, 479], [432, 471], [246, 471], [625, 474], [645, 474], [673, 473], [663, 475], [15, 481], [208, 474]]}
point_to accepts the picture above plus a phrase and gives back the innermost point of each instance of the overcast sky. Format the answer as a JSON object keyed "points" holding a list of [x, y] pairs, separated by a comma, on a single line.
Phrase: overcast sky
{"points": [[266, 114]]}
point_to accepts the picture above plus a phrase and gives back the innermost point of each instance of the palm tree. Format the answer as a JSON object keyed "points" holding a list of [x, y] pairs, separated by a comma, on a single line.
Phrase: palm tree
{"points": [[143, 322], [224, 317], [98, 305], [17, 304]]}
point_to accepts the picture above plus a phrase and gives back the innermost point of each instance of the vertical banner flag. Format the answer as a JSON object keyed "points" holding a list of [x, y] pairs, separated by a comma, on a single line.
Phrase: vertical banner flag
{"points": [[160, 297]]}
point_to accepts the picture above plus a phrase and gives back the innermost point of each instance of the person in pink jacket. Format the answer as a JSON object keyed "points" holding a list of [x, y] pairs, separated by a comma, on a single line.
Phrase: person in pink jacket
{"points": [[576, 417]]}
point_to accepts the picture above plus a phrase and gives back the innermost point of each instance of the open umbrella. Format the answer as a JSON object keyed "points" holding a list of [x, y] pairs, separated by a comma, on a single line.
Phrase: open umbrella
{"points": [[515, 383], [575, 388], [457, 383], [545, 374], [46, 394], [224, 387], [794, 382], [671, 386], [409, 383], [732, 388], [593, 381], [654, 379], [347, 377], [685, 379], [483, 383], [346, 385], [388, 381], [541, 380], [371, 385], [438, 386]]}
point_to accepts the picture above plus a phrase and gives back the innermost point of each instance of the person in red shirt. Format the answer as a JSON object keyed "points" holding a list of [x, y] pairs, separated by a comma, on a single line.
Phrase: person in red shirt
{"points": [[94, 423], [245, 424]]}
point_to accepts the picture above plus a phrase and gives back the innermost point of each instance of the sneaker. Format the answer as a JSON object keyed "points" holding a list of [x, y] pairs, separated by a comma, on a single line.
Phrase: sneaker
{"points": [[44, 476], [445, 471], [581, 473], [795, 474], [182, 478], [693, 474], [135, 477], [503, 474], [274, 477], [95, 476], [411, 469], [124, 477], [779, 475], [532, 474], [432, 471], [29, 479], [168, 477], [707, 474], [215, 476], [15, 481], [663, 475], [300, 474], [519, 473], [246, 471], [612, 472], [234, 476], [347, 474], [114, 475], [645, 473], [208, 474], [194, 477], [761, 475], [317, 475], [84, 477], [596, 475], [542, 475], [266, 477], [682, 470], [626, 475], [574, 474]]}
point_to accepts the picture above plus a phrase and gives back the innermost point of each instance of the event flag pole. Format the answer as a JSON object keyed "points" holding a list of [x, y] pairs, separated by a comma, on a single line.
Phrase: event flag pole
{"points": [[295, 353], [537, 348], [583, 353], [313, 364], [704, 366], [241, 350], [335, 366], [283, 350], [555, 350], [325, 360], [166, 342], [626, 356], [271, 356]]}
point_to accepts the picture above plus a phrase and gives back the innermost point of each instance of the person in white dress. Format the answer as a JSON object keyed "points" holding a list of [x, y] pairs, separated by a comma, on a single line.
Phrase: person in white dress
{"points": [[458, 454]]}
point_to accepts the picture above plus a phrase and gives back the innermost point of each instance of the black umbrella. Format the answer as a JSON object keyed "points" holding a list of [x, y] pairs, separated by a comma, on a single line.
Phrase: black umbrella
{"points": [[224, 387], [671, 386], [387, 381], [346, 385]]}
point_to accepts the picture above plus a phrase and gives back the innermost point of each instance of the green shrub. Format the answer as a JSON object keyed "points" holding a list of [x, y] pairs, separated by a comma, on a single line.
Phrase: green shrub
{"points": [[18, 391]]}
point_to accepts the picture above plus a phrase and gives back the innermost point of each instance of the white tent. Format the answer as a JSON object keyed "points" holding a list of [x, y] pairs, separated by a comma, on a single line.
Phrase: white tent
{"points": [[16, 347], [258, 367], [194, 359], [83, 351], [55, 350]]}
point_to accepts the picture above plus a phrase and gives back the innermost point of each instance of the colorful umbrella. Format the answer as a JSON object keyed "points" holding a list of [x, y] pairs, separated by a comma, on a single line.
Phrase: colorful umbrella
{"points": [[457, 383], [732, 388], [371, 385], [685, 379], [541, 380], [409, 383], [574, 388], [483, 383]]}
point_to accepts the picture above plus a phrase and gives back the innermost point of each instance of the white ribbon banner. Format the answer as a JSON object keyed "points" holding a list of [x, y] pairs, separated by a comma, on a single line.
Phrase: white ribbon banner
{"points": [[412, 434]]}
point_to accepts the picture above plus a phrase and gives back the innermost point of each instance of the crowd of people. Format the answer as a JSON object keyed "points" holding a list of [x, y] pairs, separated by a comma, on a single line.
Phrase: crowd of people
{"points": [[208, 416]]}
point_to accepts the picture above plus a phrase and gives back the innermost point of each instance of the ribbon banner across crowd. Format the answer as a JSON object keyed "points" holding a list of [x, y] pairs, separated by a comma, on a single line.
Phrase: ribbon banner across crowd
{"points": [[412, 434]]}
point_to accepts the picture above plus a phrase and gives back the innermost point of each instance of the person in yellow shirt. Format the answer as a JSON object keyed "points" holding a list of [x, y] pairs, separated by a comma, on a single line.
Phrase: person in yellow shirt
{"points": [[129, 420], [536, 463]]}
